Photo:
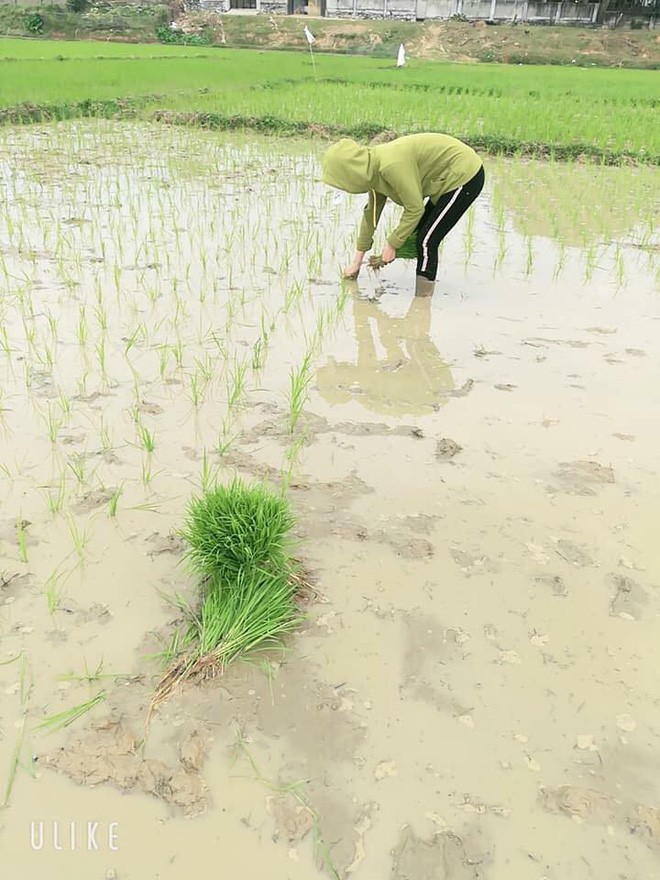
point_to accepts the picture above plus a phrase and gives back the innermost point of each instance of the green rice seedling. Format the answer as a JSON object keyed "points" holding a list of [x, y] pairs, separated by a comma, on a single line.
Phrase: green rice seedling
{"points": [[5, 347], [292, 454], [208, 476], [55, 500], [53, 589], [177, 351], [53, 425], [236, 384], [146, 438], [105, 435], [292, 296], [89, 675], [235, 527], [113, 501], [78, 466], [197, 386], [20, 537], [147, 473], [25, 680], [99, 348], [299, 381], [258, 354], [80, 538], [101, 316], [529, 257], [59, 720], [205, 368], [15, 762], [64, 402]]}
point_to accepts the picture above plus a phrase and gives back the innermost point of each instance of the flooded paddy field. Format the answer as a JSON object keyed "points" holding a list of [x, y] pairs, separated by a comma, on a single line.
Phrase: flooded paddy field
{"points": [[473, 693]]}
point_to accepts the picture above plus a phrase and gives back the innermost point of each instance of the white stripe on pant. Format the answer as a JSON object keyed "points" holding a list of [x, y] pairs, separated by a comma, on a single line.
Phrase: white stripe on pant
{"points": [[428, 235]]}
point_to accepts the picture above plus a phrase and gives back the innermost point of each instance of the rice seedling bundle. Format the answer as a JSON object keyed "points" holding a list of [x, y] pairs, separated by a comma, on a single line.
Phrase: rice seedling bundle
{"points": [[239, 545]]}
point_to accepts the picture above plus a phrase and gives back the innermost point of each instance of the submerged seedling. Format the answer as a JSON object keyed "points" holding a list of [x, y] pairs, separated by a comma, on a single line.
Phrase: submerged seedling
{"points": [[59, 720], [299, 382], [20, 537]]}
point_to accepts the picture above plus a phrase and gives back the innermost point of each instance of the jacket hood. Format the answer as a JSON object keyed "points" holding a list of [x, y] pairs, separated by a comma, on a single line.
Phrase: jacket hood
{"points": [[349, 166]]}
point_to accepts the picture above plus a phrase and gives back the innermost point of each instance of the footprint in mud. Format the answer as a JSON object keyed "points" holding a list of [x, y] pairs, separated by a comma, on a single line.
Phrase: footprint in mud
{"points": [[583, 477], [165, 544], [553, 582], [430, 649], [11, 585], [444, 857], [573, 554], [94, 499], [471, 563], [628, 597], [597, 808], [152, 409]]}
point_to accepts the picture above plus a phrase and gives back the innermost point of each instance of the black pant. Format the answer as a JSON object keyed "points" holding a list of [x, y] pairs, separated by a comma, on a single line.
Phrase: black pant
{"points": [[438, 219]]}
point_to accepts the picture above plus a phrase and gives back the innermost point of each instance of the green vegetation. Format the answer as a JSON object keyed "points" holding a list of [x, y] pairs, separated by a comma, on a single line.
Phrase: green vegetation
{"points": [[239, 546], [238, 528], [605, 115], [102, 22], [58, 720]]}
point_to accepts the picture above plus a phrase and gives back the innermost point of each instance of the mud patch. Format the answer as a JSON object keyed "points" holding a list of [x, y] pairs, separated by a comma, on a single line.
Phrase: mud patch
{"points": [[597, 808], [446, 449], [573, 554], [293, 820], [473, 562], [107, 755], [93, 500], [159, 544], [583, 477], [443, 857], [554, 583], [628, 597], [11, 586], [429, 650]]}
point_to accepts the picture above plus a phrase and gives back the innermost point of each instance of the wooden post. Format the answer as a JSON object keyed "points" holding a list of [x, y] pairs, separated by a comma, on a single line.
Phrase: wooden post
{"points": [[493, 4]]}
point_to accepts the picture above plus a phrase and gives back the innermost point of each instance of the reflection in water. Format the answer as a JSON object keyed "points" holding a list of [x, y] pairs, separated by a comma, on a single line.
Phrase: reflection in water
{"points": [[410, 378], [576, 205]]}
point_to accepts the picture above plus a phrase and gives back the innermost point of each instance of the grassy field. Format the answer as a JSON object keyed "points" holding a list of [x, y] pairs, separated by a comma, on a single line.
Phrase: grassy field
{"points": [[562, 112]]}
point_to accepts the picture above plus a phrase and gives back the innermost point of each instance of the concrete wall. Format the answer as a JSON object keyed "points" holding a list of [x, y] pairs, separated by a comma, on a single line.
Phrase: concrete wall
{"points": [[486, 10], [535, 11]]}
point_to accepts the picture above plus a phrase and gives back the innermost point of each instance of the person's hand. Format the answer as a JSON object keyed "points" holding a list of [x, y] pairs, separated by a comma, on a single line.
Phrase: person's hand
{"points": [[353, 269], [388, 254], [351, 272]]}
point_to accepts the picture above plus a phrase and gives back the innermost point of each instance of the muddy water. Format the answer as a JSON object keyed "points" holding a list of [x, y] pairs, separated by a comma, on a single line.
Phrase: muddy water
{"points": [[476, 477]]}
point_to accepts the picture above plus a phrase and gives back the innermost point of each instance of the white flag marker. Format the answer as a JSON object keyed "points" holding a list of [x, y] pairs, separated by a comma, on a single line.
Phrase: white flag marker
{"points": [[401, 57], [310, 39]]}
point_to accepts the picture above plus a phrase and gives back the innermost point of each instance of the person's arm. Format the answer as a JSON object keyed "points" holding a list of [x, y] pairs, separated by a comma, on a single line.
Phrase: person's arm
{"points": [[370, 217]]}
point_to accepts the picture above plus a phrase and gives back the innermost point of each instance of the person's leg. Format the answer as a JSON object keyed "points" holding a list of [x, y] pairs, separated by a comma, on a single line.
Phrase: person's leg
{"points": [[437, 222]]}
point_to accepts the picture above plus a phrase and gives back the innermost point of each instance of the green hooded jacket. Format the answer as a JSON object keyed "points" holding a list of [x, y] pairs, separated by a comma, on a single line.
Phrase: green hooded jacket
{"points": [[406, 170]]}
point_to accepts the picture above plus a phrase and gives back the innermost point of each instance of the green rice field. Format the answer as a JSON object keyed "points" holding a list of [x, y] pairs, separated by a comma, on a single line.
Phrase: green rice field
{"points": [[609, 115]]}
